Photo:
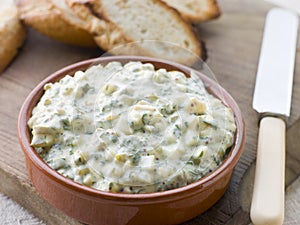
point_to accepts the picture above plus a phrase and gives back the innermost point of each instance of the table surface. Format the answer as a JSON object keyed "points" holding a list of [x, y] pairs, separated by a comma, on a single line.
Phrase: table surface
{"points": [[233, 45]]}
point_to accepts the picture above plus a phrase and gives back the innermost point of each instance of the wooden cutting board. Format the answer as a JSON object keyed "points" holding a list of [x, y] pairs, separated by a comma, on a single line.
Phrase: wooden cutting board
{"points": [[233, 45]]}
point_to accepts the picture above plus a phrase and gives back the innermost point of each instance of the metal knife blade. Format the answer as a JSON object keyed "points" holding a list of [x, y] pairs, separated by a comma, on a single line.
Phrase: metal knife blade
{"points": [[272, 98], [274, 80]]}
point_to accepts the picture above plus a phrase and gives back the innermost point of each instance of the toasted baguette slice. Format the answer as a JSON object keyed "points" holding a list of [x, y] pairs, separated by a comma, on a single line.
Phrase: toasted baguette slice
{"points": [[12, 33], [56, 21], [196, 10], [143, 21], [106, 34]]}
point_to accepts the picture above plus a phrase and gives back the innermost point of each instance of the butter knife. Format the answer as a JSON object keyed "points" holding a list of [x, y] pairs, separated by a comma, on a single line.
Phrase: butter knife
{"points": [[272, 99]]}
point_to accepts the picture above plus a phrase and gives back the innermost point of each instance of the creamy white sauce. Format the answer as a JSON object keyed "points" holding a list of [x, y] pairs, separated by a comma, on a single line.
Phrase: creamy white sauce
{"points": [[131, 128]]}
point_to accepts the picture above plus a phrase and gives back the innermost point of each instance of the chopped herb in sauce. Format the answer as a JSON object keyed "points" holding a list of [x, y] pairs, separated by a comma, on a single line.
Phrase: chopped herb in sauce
{"points": [[131, 129]]}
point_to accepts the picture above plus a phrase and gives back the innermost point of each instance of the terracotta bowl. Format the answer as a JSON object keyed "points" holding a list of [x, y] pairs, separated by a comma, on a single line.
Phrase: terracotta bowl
{"points": [[93, 206]]}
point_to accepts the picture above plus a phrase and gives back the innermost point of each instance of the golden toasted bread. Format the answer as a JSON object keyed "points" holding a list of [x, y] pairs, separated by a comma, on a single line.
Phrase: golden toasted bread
{"points": [[106, 34], [12, 33], [139, 21], [56, 20]]}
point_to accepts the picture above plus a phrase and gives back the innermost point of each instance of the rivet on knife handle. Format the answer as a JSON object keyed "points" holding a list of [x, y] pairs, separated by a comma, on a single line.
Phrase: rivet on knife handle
{"points": [[268, 193]]}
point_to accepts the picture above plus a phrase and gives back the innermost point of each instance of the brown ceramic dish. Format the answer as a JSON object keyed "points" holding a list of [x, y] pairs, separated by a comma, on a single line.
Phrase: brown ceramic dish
{"points": [[92, 206]]}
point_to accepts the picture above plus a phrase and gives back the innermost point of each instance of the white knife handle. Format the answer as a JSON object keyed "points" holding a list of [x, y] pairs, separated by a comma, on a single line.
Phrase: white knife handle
{"points": [[268, 194]]}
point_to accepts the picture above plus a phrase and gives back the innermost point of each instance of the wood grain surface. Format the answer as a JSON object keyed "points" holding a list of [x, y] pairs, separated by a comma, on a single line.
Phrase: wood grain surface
{"points": [[233, 44]]}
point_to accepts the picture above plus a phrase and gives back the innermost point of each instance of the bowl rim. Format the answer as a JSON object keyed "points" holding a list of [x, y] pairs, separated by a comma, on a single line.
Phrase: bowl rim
{"points": [[199, 185]]}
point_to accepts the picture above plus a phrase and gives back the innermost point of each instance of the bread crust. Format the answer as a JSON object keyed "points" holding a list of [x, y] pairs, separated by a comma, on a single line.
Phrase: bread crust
{"points": [[106, 34], [55, 22], [12, 32], [98, 8], [108, 24]]}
